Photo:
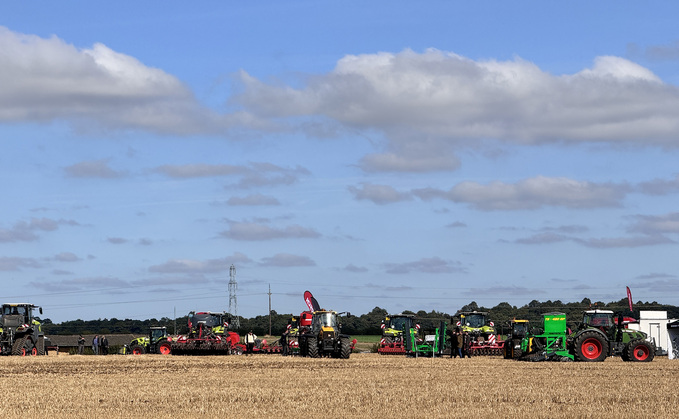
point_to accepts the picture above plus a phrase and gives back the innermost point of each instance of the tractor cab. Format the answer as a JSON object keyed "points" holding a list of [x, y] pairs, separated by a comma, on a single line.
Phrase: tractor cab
{"points": [[601, 319], [519, 328], [324, 321], [157, 333]]}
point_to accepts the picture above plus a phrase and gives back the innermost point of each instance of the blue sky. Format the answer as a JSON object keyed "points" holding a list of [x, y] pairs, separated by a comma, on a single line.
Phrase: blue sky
{"points": [[406, 156]]}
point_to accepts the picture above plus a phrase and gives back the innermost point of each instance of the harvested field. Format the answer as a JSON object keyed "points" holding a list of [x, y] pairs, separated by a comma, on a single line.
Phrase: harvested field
{"points": [[366, 385]]}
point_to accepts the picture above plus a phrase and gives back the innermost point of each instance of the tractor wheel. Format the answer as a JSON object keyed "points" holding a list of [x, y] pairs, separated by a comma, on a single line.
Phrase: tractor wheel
{"points": [[591, 347], [237, 350], [345, 348], [137, 350], [312, 347], [165, 348], [640, 351]]}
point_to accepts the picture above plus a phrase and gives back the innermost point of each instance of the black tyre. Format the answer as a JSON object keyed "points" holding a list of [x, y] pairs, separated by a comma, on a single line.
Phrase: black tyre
{"points": [[640, 351], [41, 345], [312, 347], [591, 346], [137, 350], [345, 348]]}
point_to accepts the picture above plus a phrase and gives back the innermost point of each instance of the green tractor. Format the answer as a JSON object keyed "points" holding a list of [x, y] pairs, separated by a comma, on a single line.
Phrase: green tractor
{"points": [[512, 346], [324, 337], [20, 332], [599, 337], [157, 342], [395, 329]]}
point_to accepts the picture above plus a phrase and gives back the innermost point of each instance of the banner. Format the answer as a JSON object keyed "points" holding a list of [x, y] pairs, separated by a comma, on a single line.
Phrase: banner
{"points": [[629, 299], [311, 301]]}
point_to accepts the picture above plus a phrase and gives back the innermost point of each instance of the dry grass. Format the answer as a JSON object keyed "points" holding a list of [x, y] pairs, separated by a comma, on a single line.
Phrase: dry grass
{"points": [[366, 385]]}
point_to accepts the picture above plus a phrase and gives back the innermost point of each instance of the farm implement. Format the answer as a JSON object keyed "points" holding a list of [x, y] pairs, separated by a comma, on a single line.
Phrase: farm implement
{"points": [[207, 336], [482, 330], [427, 342]]}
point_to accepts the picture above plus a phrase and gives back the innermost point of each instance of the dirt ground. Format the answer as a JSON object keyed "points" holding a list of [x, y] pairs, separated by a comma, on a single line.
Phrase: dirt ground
{"points": [[366, 385]]}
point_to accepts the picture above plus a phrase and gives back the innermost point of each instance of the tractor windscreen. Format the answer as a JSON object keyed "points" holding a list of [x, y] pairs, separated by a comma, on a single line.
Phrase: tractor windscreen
{"points": [[328, 319], [475, 320], [599, 319], [157, 333], [520, 329], [209, 320], [398, 323]]}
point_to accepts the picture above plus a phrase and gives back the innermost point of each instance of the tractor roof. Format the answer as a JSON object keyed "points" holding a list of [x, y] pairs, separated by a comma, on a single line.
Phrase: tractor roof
{"points": [[597, 311], [20, 304]]}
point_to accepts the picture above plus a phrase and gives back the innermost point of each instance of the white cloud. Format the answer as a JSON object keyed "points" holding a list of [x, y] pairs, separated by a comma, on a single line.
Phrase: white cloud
{"points": [[254, 231], [429, 104], [46, 79], [379, 194], [287, 260], [199, 266], [531, 193], [433, 265]]}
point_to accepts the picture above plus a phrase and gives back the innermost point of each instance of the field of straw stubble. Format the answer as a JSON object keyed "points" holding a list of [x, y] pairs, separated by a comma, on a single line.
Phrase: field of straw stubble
{"points": [[366, 385]]}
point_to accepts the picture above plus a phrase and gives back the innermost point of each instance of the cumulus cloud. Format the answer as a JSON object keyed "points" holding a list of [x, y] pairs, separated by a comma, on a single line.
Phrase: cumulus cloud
{"points": [[656, 224], [253, 200], [192, 266], [93, 169], [379, 194], [77, 284], [16, 263], [287, 260], [66, 257], [48, 79], [354, 269], [256, 231], [26, 230], [429, 104], [659, 186], [433, 265], [252, 175], [531, 193]]}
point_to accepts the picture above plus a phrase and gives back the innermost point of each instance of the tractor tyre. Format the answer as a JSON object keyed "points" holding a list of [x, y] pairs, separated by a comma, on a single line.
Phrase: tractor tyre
{"points": [[19, 347], [591, 346], [41, 345], [137, 350], [640, 351], [164, 347], [345, 348], [312, 348]]}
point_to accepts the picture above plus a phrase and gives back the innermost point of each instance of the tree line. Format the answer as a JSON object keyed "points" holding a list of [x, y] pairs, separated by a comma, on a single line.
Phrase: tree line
{"points": [[364, 324]]}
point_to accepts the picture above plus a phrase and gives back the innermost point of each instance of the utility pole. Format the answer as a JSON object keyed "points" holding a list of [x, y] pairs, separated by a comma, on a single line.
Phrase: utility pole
{"points": [[175, 320], [269, 309]]}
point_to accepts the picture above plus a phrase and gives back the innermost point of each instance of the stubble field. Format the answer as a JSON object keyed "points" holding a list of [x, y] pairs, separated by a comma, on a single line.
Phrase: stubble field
{"points": [[366, 385]]}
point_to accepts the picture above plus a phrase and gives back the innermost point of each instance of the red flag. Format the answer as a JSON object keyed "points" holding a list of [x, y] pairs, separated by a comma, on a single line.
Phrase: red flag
{"points": [[629, 299]]}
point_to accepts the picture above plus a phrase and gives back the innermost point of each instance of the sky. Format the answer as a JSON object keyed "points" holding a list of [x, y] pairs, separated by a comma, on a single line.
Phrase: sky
{"points": [[402, 155]]}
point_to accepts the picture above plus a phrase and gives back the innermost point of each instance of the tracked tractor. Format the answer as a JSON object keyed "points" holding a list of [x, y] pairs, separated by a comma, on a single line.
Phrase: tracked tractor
{"points": [[324, 337], [512, 345], [20, 331], [208, 335], [598, 337], [483, 333], [395, 331], [157, 342]]}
